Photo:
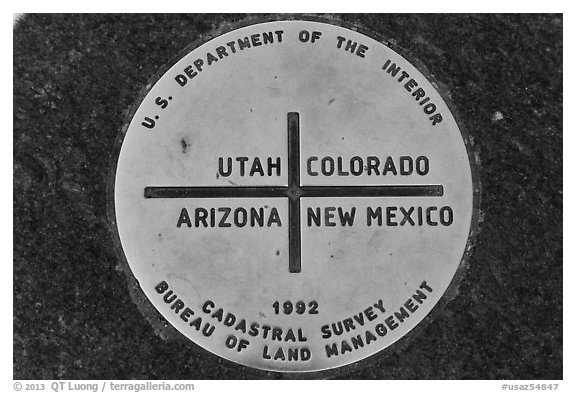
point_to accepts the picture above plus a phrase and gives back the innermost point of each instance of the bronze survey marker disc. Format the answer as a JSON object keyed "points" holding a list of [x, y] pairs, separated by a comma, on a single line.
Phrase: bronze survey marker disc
{"points": [[294, 196]]}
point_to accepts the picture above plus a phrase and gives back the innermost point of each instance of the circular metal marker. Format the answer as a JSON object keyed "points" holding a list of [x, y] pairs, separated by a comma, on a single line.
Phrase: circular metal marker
{"points": [[294, 196]]}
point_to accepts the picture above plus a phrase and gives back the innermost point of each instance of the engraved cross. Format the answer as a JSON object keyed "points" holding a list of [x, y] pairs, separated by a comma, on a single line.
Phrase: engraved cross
{"points": [[294, 191]]}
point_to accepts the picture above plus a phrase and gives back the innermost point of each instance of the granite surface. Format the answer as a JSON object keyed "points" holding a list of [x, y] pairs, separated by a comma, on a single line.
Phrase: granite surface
{"points": [[75, 76]]}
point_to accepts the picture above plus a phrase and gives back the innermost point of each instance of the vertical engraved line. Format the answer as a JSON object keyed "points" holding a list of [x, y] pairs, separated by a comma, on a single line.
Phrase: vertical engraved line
{"points": [[293, 149], [295, 264], [294, 240]]}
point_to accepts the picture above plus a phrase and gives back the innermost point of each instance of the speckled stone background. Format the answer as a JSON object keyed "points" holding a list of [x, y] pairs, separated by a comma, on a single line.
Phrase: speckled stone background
{"points": [[75, 76]]}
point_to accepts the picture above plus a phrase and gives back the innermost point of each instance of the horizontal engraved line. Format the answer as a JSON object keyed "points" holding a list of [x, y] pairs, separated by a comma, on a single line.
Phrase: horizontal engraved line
{"points": [[434, 190]]}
